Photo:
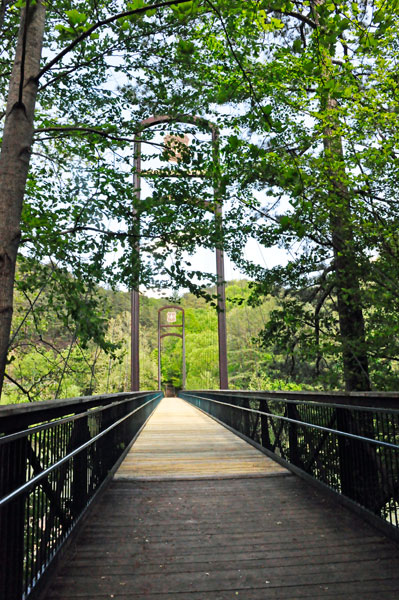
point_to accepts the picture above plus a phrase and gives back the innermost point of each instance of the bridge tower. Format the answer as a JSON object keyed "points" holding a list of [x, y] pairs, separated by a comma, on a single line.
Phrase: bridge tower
{"points": [[170, 330], [220, 275]]}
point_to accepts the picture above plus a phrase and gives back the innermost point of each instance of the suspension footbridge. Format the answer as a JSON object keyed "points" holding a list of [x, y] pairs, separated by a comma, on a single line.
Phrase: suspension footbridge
{"points": [[217, 495]]}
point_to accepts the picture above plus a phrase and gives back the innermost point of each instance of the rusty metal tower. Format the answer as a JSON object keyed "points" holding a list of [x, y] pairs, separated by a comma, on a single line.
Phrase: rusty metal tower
{"points": [[221, 301]]}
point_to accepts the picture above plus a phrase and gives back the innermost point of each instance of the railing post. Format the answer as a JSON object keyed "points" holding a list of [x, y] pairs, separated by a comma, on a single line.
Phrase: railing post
{"points": [[358, 460], [245, 417], [264, 424], [13, 465], [292, 413], [80, 465], [115, 439]]}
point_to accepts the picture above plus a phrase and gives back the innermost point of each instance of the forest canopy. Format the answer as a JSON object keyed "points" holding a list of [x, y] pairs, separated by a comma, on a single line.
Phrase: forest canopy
{"points": [[305, 97]]}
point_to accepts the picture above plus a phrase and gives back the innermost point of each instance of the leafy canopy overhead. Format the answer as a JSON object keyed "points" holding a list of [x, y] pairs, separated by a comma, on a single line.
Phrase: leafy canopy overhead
{"points": [[305, 96]]}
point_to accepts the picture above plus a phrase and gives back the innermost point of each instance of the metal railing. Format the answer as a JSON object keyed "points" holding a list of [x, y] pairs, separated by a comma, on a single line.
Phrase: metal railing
{"points": [[348, 443], [54, 459]]}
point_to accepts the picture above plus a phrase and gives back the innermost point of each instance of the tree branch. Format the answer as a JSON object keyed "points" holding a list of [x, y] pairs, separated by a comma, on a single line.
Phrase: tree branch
{"points": [[66, 72], [96, 26], [66, 363], [23, 390], [32, 305], [303, 18], [106, 134], [119, 234]]}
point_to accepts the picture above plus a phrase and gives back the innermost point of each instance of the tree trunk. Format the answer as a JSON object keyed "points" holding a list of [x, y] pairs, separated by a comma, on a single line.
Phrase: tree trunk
{"points": [[14, 158], [351, 321]]}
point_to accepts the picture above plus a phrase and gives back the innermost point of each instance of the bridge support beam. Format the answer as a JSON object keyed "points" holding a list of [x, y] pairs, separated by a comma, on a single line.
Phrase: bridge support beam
{"points": [[135, 301], [222, 329], [134, 345]]}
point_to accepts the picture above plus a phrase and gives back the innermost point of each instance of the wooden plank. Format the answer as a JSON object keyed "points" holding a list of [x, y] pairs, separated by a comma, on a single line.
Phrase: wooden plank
{"points": [[270, 538], [312, 592], [179, 441]]}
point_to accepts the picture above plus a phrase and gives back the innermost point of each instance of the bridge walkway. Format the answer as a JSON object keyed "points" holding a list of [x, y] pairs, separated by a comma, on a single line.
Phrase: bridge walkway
{"points": [[180, 441], [196, 513]]}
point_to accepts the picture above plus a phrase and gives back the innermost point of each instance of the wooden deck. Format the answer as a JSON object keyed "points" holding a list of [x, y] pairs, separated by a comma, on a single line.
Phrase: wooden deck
{"points": [[251, 538], [179, 441]]}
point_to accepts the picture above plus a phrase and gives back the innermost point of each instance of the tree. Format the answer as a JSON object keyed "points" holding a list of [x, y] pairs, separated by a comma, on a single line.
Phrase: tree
{"points": [[312, 110], [73, 101], [307, 93]]}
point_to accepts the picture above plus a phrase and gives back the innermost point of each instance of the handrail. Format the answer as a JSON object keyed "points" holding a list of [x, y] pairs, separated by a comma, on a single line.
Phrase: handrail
{"points": [[313, 425], [32, 407], [15, 436], [348, 444], [23, 489], [371, 399], [55, 458]]}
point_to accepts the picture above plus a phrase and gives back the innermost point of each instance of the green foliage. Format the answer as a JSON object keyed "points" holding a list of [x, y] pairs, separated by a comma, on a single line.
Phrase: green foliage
{"points": [[48, 359], [306, 97], [308, 94], [259, 382]]}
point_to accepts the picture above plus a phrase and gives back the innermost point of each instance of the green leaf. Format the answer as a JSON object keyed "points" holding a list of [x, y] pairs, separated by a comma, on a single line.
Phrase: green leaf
{"points": [[135, 4], [276, 23], [261, 20], [330, 84], [75, 17], [285, 221], [186, 47], [347, 93], [66, 32], [182, 9], [297, 45]]}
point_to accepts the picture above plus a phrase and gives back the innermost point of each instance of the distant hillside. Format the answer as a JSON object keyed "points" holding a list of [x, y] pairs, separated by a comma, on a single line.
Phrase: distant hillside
{"points": [[48, 360]]}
